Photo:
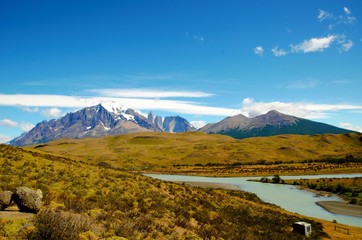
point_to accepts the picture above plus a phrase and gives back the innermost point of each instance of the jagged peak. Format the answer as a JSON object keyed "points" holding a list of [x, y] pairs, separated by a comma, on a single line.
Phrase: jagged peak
{"points": [[114, 107]]}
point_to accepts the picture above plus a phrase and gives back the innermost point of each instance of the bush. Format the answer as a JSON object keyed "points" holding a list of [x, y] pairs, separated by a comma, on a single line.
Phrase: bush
{"points": [[276, 179], [51, 224]]}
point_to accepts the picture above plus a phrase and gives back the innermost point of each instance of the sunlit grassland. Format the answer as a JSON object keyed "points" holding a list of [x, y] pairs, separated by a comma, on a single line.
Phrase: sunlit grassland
{"points": [[100, 202], [349, 188], [210, 153]]}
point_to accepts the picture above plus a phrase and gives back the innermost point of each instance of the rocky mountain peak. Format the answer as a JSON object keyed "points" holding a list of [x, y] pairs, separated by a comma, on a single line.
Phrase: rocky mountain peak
{"points": [[177, 124], [150, 117], [113, 107], [269, 124], [109, 118], [274, 118]]}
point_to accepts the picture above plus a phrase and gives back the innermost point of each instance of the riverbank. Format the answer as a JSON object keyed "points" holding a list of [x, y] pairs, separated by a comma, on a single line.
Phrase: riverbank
{"points": [[342, 208], [288, 197], [331, 206], [210, 185], [335, 230], [255, 170]]}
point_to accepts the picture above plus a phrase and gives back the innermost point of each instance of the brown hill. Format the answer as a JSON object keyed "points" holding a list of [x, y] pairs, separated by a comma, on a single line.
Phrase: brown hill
{"points": [[144, 150]]}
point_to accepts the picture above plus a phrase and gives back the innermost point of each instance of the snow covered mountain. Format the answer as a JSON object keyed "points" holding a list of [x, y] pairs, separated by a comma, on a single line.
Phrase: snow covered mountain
{"points": [[101, 120]]}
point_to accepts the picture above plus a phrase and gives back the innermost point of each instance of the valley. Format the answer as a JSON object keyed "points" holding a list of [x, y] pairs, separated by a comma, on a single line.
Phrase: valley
{"points": [[94, 202], [98, 183]]}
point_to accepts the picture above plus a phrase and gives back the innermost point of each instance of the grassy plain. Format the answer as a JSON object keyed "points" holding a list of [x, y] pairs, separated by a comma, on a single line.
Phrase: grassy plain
{"points": [[87, 201], [216, 155]]}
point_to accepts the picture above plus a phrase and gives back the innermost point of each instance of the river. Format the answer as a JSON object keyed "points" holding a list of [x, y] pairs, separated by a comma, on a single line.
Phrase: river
{"points": [[288, 197]]}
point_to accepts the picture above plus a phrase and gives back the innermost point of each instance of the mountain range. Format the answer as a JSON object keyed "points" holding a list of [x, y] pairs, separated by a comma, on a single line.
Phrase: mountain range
{"points": [[269, 124], [101, 120], [113, 119]]}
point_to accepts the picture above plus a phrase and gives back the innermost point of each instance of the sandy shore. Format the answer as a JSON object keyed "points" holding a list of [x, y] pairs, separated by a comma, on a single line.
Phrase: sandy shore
{"points": [[342, 208], [210, 185]]}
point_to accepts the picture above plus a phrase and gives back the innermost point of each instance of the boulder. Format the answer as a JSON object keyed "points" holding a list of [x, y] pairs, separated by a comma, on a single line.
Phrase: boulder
{"points": [[5, 199], [27, 199]]}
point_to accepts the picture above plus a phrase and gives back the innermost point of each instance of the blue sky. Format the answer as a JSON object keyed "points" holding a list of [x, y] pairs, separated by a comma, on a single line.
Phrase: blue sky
{"points": [[203, 60]]}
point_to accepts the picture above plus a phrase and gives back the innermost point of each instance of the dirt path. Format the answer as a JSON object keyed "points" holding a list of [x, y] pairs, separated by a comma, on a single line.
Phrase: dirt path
{"points": [[210, 185], [13, 212], [342, 208]]}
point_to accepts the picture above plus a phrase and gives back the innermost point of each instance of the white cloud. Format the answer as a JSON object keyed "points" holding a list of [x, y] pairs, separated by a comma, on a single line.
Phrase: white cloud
{"points": [[340, 82], [346, 10], [278, 52], [198, 38], [347, 18], [198, 124], [4, 139], [147, 93], [303, 84], [28, 109], [345, 44], [26, 126], [247, 101], [323, 15], [252, 108], [8, 123], [183, 107], [351, 126], [259, 51], [314, 44], [52, 112], [320, 44]]}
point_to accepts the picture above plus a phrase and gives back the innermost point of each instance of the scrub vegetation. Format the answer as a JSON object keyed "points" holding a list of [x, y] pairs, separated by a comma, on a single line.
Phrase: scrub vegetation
{"points": [[87, 201], [348, 188]]}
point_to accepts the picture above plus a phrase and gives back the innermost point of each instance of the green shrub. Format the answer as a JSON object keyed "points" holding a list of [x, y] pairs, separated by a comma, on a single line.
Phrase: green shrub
{"points": [[276, 179], [51, 224]]}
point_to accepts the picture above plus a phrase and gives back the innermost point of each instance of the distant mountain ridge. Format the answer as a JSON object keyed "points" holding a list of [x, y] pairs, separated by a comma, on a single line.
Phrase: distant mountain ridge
{"points": [[269, 124], [100, 120], [114, 119]]}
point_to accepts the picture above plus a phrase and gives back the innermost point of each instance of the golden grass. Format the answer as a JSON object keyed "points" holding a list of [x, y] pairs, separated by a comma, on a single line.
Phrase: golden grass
{"points": [[128, 205], [165, 149], [337, 231]]}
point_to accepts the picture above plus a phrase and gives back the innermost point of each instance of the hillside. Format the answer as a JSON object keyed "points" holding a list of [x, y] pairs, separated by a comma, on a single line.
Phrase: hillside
{"points": [[95, 201], [270, 124], [147, 150]]}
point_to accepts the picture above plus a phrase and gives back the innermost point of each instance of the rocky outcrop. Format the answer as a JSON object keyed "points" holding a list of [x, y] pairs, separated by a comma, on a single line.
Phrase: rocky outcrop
{"points": [[27, 199], [151, 118], [5, 199], [159, 122], [177, 124]]}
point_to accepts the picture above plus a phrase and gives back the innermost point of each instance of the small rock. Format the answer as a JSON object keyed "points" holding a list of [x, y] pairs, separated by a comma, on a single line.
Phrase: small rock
{"points": [[5, 199], [27, 199]]}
